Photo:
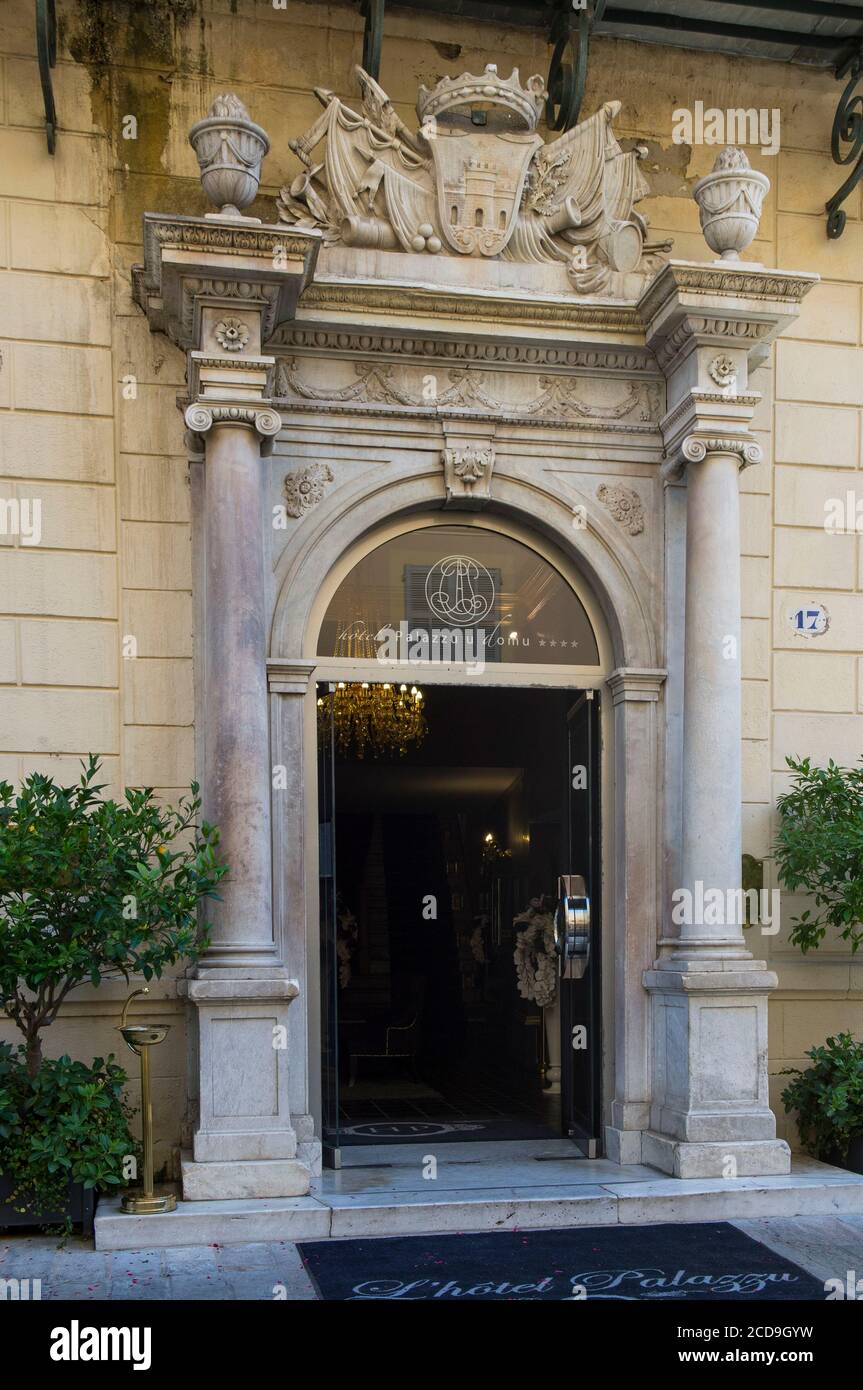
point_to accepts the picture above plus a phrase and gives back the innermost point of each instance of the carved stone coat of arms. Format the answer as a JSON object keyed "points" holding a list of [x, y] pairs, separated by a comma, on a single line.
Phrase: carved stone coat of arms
{"points": [[476, 179]]}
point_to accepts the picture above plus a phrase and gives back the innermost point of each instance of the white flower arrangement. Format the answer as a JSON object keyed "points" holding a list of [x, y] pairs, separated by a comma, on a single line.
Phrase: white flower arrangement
{"points": [[535, 957]]}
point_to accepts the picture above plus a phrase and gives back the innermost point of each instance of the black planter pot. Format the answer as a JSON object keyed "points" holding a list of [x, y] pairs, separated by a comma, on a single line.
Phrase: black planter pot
{"points": [[80, 1208], [855, 1154]]}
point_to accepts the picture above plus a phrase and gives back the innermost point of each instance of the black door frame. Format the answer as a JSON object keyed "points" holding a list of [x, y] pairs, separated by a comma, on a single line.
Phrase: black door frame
{"points": [[581, 997], [587, 1137]]}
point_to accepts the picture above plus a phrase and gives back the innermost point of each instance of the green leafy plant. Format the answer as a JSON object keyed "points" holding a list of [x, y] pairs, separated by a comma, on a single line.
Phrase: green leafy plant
{"points": [[828, 1097], [93, 889], [69, 1123], [819, 849], [90, 889]]}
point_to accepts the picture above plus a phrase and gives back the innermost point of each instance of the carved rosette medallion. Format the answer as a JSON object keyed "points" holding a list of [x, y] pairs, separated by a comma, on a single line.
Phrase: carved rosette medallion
{"points": [[305, 488], [232, 335], [624, 504], [723, 370]]}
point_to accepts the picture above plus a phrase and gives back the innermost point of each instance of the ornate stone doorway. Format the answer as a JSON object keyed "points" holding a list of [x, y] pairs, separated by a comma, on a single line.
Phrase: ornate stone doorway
{"points": [[399, 548], [579, 397], [450, 659]]}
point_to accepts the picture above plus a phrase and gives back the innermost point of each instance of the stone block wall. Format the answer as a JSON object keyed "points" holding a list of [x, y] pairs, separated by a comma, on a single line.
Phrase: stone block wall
{"points": [[89, 425]]}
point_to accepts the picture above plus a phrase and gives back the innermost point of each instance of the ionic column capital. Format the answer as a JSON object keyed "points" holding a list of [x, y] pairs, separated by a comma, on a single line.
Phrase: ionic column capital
{"points": [[263, 420], [696, 448]]}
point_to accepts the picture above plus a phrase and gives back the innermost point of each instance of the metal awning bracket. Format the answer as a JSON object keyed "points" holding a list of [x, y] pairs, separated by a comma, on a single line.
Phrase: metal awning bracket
{"points": [[46, 48], [567, 71], [373, 36], [847, 130]]}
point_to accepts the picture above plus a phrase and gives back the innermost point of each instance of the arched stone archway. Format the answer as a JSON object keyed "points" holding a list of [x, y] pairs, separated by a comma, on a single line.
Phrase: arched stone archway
{"points": [[610, 568], [613, 580]]}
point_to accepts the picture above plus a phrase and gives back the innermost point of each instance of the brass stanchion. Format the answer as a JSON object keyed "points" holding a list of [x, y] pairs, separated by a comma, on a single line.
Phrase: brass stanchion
{"points": [[139, 1038]]}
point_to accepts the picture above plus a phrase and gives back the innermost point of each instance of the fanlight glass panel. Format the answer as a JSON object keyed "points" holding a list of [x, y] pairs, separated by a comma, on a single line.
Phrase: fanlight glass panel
{"points": [[457, 593]]}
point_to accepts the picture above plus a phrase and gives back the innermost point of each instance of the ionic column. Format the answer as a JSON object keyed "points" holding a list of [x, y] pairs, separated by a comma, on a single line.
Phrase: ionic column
{"points": [[234, 696], [245, 1143], [712, 751], [709, 1113]]}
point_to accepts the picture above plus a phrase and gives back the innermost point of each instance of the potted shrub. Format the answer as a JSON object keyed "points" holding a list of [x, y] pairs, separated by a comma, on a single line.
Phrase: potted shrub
{"points": [[828, 1098], [89, 890], [819, 850]]}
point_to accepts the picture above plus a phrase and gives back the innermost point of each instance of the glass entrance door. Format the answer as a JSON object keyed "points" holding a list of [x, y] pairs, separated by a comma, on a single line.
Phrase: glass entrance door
{"points": [[580, 1013], [439, 863]]}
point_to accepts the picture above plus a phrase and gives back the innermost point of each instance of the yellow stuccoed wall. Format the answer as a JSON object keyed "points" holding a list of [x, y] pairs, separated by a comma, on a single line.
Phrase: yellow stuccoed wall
{"points": [[105, 453]]}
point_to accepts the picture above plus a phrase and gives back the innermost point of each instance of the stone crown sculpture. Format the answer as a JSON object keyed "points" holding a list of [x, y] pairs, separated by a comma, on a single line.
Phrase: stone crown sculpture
{"points": [[475, 180], [505, 100]]}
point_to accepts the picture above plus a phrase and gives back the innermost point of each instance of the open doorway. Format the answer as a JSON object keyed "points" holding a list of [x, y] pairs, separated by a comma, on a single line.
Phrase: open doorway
{"points": [[431, 856]]}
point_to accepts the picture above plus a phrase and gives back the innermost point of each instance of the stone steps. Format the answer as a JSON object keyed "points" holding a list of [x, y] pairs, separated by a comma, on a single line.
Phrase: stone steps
{"points": [[398, 1211]]}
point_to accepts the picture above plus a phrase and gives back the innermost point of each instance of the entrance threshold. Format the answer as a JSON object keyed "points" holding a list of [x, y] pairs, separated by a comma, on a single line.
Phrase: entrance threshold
{"points": [[486, 1186]]}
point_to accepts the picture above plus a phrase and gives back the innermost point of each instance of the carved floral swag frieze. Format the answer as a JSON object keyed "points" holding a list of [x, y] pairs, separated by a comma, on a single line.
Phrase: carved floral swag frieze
{"points": [[559, 399]]}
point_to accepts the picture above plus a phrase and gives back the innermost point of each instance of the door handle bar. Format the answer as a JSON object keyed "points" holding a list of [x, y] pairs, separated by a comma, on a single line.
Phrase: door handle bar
{"points": [[572, 927]]}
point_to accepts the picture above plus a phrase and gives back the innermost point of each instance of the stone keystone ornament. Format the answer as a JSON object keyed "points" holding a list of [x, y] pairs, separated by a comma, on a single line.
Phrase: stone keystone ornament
{"points": [[476, 180], [729, 201], [230, 148]]}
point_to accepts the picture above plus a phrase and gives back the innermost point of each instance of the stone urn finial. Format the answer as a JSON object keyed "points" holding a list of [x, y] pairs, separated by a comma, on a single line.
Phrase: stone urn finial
{"points": [[729, 200], [230, 148]]}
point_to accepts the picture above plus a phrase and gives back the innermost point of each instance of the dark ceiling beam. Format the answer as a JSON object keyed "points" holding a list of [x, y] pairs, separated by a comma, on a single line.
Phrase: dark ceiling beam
{"points": [[536, 14], [537, 11], [819, 9], [679, 24], [527, 14]]}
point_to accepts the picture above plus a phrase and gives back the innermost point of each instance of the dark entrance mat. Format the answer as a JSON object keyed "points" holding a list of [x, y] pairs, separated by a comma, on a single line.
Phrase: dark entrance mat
{"points": [[443, 1131], [666, 1263]]}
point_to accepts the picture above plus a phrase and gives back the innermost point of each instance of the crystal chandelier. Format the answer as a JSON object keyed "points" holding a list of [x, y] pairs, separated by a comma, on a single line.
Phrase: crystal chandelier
{"points": [[381, 718]]}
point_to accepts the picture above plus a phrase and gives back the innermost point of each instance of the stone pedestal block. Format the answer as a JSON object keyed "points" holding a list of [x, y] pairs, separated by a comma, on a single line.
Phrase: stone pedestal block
{"points": [[245, 1144], [710, 1115]]}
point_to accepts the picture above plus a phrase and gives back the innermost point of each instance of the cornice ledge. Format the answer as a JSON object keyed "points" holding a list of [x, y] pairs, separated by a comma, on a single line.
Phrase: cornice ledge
{"points": [[409, 301], [318, 339], [723, 281], [221, 237], [633, 683], [742, 306], [188, 260]]}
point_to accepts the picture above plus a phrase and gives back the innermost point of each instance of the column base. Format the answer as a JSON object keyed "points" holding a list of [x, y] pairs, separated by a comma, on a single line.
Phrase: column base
{"points": [[227, 1181], [761, 1158], [623, 1145]]}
